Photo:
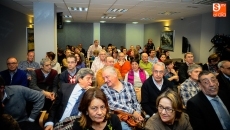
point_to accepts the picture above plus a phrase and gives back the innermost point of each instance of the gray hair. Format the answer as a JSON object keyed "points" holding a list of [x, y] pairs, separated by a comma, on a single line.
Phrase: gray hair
{"points": [[192, 67], [143, 54], [83, 72], [220, 64], [44, 60], [109, 69], [159, 64]]}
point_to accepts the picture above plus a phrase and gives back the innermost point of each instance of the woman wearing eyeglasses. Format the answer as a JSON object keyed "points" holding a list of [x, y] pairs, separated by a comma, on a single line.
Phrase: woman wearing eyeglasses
{"points": [[169, 115]]}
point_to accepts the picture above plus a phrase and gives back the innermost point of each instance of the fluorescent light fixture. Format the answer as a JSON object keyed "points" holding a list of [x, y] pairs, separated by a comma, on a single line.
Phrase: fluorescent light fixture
{"points": [[102, 21], [135, 22], [81, 9], [146, 18], [108, 17], [117, 10], [167, 13], [67, 16], [68, 21]]}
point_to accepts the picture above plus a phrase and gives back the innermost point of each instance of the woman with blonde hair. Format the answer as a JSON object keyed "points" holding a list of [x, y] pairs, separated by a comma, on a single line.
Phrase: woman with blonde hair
{"points": [[169, 115]]}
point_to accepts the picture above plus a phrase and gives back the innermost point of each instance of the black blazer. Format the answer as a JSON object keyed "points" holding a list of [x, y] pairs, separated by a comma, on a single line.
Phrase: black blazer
{"points": [[182, 72], [224, 83], [149, 94], [60, 102], [201, 113]]}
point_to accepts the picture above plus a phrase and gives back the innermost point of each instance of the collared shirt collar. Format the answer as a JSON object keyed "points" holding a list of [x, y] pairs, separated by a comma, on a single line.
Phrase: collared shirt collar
{"points": [[159, 86], [192, 81], [210, 98], [45, 74], [72, 73], [226, 76], [5, 96], [13, 72]]}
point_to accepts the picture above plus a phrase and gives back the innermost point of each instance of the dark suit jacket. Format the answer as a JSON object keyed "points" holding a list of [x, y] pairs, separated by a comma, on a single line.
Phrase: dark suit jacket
{"points": [[149, 94], [60, 102], [224, 83], [201, 113], [182, 72]]}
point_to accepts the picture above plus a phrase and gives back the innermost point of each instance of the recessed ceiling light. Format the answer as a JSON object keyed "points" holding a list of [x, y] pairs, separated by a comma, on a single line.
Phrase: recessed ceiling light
{"points": [[167, 13], [81, 9], [102, 21], [108, 17], [146, 18], [67, 16], [135, 22], [117, 10], [68, 21]]}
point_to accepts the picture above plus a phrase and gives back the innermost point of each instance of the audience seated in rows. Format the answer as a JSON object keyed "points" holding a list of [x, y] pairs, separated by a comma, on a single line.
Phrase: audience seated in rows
{"points": [[121, 95], [153, 87], [12, 75], [209, 109]]}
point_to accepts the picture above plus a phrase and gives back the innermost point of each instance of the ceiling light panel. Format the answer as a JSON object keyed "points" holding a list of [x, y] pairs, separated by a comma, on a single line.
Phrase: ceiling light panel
{"points": [[67, 16], [114, 10], [146, 18], [108, 17], [81, 9]]}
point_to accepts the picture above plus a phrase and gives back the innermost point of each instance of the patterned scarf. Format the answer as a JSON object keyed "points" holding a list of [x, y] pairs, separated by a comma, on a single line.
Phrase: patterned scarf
{"points": [[72, 79]]}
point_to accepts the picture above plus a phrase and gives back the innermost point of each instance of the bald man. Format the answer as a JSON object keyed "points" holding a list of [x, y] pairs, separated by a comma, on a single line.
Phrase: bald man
{"points": [[145, 64]]}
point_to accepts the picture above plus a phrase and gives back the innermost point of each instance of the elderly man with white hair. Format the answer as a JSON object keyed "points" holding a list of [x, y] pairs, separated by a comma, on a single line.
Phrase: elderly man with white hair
{"points": [[153, 87], [224, 76], [99, 62]]}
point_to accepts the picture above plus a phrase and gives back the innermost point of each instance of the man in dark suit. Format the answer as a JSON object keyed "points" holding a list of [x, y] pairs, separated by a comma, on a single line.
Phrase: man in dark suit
{"points": [[224, 76], [183, 68], [209, 109], [67, 97], [153, 87]]}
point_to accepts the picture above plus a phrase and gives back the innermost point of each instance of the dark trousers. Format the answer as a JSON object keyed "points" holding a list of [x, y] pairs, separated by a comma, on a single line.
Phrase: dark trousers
{"points": [[26, 125]]}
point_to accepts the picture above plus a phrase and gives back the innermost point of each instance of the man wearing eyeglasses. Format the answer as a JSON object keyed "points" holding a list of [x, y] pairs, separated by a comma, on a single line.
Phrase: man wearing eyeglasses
{"points": [[209, 109], [13, 75], [69, 75], [153, 87], [224, 76]]}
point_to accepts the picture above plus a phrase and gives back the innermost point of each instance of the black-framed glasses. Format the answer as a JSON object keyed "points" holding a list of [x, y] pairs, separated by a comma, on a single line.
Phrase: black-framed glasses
{"points": [[167, 109]]}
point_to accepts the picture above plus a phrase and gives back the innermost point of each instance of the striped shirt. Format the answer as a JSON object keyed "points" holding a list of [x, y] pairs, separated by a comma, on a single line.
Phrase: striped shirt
{"points": [[124, 100]]}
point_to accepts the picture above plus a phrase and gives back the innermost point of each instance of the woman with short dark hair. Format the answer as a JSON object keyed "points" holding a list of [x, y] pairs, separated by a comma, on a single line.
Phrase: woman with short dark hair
{"points": [[95, 114], [54, 64]]}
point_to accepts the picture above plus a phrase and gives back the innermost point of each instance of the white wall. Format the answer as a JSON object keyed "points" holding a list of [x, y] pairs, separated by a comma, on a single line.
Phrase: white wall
{"points": [[198, 29], [134, 35]]}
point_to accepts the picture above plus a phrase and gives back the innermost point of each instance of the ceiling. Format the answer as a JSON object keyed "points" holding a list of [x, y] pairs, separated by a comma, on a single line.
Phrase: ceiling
{"points": [[154, 10]]}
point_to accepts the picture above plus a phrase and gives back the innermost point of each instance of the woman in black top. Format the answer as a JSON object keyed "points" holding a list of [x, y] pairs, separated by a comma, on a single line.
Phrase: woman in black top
{"points": [[95, 113]]}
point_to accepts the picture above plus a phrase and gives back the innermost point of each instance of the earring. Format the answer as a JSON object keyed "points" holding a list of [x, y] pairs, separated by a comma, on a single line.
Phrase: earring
{"points": [[86, 113]]}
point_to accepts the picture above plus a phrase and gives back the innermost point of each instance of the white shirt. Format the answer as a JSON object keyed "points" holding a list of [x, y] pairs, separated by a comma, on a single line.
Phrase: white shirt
{"points": [[97, 65], [159, 86], [93, 48], [72, 100]]}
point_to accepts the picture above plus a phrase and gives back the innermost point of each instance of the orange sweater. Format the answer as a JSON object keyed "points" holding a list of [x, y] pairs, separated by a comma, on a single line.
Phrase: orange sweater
{"points": [[124, 68]]}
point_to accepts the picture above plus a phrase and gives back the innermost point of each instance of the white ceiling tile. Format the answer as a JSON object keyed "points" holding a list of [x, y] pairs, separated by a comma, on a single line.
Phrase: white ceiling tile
{"points": [[103, 1]]}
